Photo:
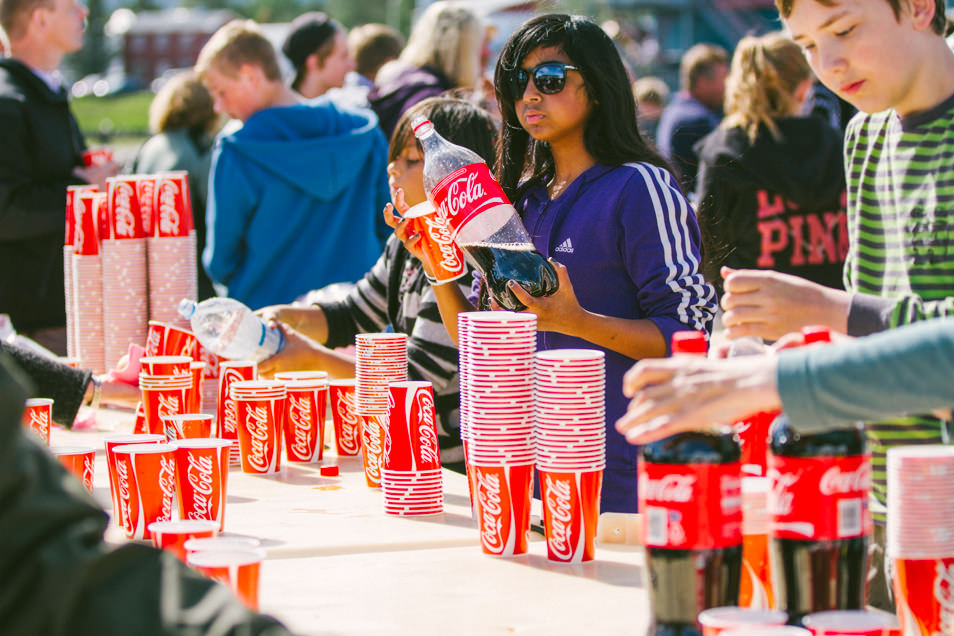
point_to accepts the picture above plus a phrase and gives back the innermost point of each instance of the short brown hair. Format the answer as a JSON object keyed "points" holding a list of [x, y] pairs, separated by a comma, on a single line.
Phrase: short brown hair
{"points": [[238, 42], [15, 14], [182, 102], [938, 24], [650, 90], [700, 61], [372, 45]]}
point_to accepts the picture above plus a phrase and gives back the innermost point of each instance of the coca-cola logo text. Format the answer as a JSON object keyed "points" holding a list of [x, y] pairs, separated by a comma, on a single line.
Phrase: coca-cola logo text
{"points": [[559, 509], [153, 342], [146, 192], [461, 194], [491, 511], [168, 212], [88, 471], [440, 233], [256, 421], [672, 488], [78, 235], [348, 437], [944, 594], [125, 222], [781, 497], [230, 414], [373, 450], [40, 421], [837, 482], [167, 484], [427, 430], [168, 405], [300, 417], [199, 474], [122, 482]]}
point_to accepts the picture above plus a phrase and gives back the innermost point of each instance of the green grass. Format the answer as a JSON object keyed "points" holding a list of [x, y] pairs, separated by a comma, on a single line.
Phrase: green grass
{"points": [[124, 115]]}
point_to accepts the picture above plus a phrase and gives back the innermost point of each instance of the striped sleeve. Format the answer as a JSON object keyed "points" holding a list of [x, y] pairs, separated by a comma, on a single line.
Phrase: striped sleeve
{"points": [[364, 310]]}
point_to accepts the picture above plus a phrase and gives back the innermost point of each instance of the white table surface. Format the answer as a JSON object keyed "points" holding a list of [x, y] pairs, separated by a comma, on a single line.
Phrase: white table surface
{"points": [[337, 564]]}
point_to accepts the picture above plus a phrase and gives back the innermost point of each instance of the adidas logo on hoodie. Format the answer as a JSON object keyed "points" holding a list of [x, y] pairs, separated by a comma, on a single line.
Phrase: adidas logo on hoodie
{"points": [[566, 247]]}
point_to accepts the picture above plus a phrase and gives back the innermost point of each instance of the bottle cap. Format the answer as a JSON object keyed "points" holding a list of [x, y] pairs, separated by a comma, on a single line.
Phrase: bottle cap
{"points": [[689, 342], [186, 308], [421, 125]]}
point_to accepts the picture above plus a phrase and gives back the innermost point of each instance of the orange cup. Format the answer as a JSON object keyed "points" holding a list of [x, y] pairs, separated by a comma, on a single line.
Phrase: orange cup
{"points": [[226, 415], [341, 394], [78, 460], [163, 339], [162, 396], [111, 443], [202, 468], [187, 426], [195, 398], [571, 508], [165, 365], [38, 416], [172, 535], [238, 568], [373, 430], [503, 495], [305, 419], [924, 595], [140, 427], [260, 422], [146, 485], [445, 257]]}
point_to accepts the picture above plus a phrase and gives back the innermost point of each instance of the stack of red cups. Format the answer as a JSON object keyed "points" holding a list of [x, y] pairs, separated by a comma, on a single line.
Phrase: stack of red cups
{"points": [[380, 359], [411, 473], [260, 407], [306, 397], [87, 297], [226, 414], [73, 212], [172, 251], [165, 383], [920, 537], [570, 438], [497, 353]]}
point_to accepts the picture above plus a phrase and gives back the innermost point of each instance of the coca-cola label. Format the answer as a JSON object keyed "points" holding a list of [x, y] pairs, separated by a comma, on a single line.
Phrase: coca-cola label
{"points": [[428, 455], [85, 235], [146, 191], [373, 437], [154, 340], [260, 453], [39, 420], [128, 500], [466, 193], [819, 498], [228, 416], [301, 425], [691, 506], [200, 476], [562, 515], [124, 210], [167, 486], [347, 428], [493, 505], [170, 208], [924, 592], [88, 471], [438, 237]]}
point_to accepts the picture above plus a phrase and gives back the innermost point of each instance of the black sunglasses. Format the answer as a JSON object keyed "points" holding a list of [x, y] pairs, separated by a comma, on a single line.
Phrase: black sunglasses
{"points": [[549, 78]]}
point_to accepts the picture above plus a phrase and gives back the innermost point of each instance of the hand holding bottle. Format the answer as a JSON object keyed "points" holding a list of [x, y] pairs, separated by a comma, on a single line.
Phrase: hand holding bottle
{"points": [[560, 312]]}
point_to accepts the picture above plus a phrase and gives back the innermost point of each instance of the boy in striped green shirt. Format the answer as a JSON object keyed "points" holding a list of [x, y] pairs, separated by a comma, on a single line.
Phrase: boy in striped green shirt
{"points": [[890, 60]]}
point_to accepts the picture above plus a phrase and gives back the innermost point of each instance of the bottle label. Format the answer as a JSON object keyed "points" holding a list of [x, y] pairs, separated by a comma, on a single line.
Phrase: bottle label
{"points": [[466, 193], [691, 506], [819, 498]]}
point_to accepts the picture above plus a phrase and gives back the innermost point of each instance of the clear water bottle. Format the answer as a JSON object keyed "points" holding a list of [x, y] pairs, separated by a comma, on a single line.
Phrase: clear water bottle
{"points": [[482, 220], [229, 329]]}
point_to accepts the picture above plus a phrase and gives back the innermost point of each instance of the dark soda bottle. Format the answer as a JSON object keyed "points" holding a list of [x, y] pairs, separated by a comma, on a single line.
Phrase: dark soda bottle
{"points": [[820, 517], [503, 263], [691, 500]]}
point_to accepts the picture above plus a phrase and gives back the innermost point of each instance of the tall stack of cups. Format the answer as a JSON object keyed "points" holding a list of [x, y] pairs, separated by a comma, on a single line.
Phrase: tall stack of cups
{"points": [[497, 360], [226, 416], [920, 537], [125, 297], [260, 407], [570, 439], [87, 294], [380, 359], [145, 485], [165, 383], [306, 397], [411, 470], [73, 212], [172, 251], [344, 415]]}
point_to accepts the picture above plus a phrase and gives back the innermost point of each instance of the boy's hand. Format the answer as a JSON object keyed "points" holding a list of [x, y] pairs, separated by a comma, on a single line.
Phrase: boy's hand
{"points": [[768, 304], [96, 175]]}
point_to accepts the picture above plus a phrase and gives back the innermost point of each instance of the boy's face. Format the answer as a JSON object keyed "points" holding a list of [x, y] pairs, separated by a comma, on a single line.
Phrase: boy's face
{"points": [[236, 95], [856, 49]]}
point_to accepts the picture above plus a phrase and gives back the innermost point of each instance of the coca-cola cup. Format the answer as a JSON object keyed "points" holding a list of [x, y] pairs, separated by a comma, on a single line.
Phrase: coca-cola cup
{"points": [[305, 419], [437, 242], [851, 623], [239, 569], [97, 157], [163, 339], [924, 595], [341, 394], [38, 416], [163, 395], [195, 398], [139, 425], [410, 440], [755, 590], [187, 426], [260, 406], [502, 494], [119, 440], [202, 467], [146, 193], [172, 535], [166, 365], [145, 485], [226, 414], [78, 460], [718, 620], [784, 630], [571, 508], [373, 428]]}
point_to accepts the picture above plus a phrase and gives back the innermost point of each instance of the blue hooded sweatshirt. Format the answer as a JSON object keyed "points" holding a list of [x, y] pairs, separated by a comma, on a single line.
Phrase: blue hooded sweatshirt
{"points": [[295, 201]]}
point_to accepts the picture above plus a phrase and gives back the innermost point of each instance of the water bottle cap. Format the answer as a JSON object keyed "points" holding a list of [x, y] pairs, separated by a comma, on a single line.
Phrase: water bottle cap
{"points": [[421, 125], [186, 308]]}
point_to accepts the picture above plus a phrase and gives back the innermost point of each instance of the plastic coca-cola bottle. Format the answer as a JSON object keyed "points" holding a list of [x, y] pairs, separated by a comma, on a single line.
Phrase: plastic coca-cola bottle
{"points": [[690, 496], [482, 220], [820, 519]]}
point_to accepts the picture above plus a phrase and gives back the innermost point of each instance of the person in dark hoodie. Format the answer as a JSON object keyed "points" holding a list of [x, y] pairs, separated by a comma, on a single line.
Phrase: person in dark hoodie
{"points": [[295, 194], [442, 53], [771, 191]]}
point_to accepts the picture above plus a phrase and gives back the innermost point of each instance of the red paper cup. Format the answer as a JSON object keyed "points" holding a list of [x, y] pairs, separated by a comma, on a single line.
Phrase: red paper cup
{"points": [[162, 397], [571, 506], [226, 414], [372, 447], [924, 595], [260, 433], [437, 241], [164, 339], [202, 467], [850, 623], [345, 419], [37, 416], [165, 365], [140, 427], [187, 426], [717, 620], [785, 630], [119, 440], [172, 535], [79, 460], [410, 441], [173, 204], [195, 398], [97, 157], [239, 569], [502, 494], [146, 192], [305, 420], [146, 485]]}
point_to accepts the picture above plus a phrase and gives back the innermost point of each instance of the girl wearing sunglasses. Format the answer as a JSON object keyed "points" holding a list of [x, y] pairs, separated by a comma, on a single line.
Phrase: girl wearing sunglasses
{"points": [[595, 197]]}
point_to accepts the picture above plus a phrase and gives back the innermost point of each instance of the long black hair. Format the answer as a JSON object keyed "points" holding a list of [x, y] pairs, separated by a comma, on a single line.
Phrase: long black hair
{"points": [[612, 136], [457, 120]]}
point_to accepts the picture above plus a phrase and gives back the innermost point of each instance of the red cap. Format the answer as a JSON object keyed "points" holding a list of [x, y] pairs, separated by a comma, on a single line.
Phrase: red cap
{"points": [[816, 333], [693, 342], [328, 471]]}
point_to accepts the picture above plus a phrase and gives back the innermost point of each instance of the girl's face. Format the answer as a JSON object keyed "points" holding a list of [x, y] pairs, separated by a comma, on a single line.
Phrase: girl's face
{"points": [[556, 118], [407, 172]]}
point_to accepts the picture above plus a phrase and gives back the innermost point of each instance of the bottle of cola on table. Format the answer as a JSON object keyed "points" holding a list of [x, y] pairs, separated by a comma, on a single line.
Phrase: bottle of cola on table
{"points": [[690, 496], [482, 220], [820, 519]]}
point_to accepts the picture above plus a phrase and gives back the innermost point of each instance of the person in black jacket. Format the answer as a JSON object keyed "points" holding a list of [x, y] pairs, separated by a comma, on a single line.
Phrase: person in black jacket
{"points": [[771, 192], [40, 155]]}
